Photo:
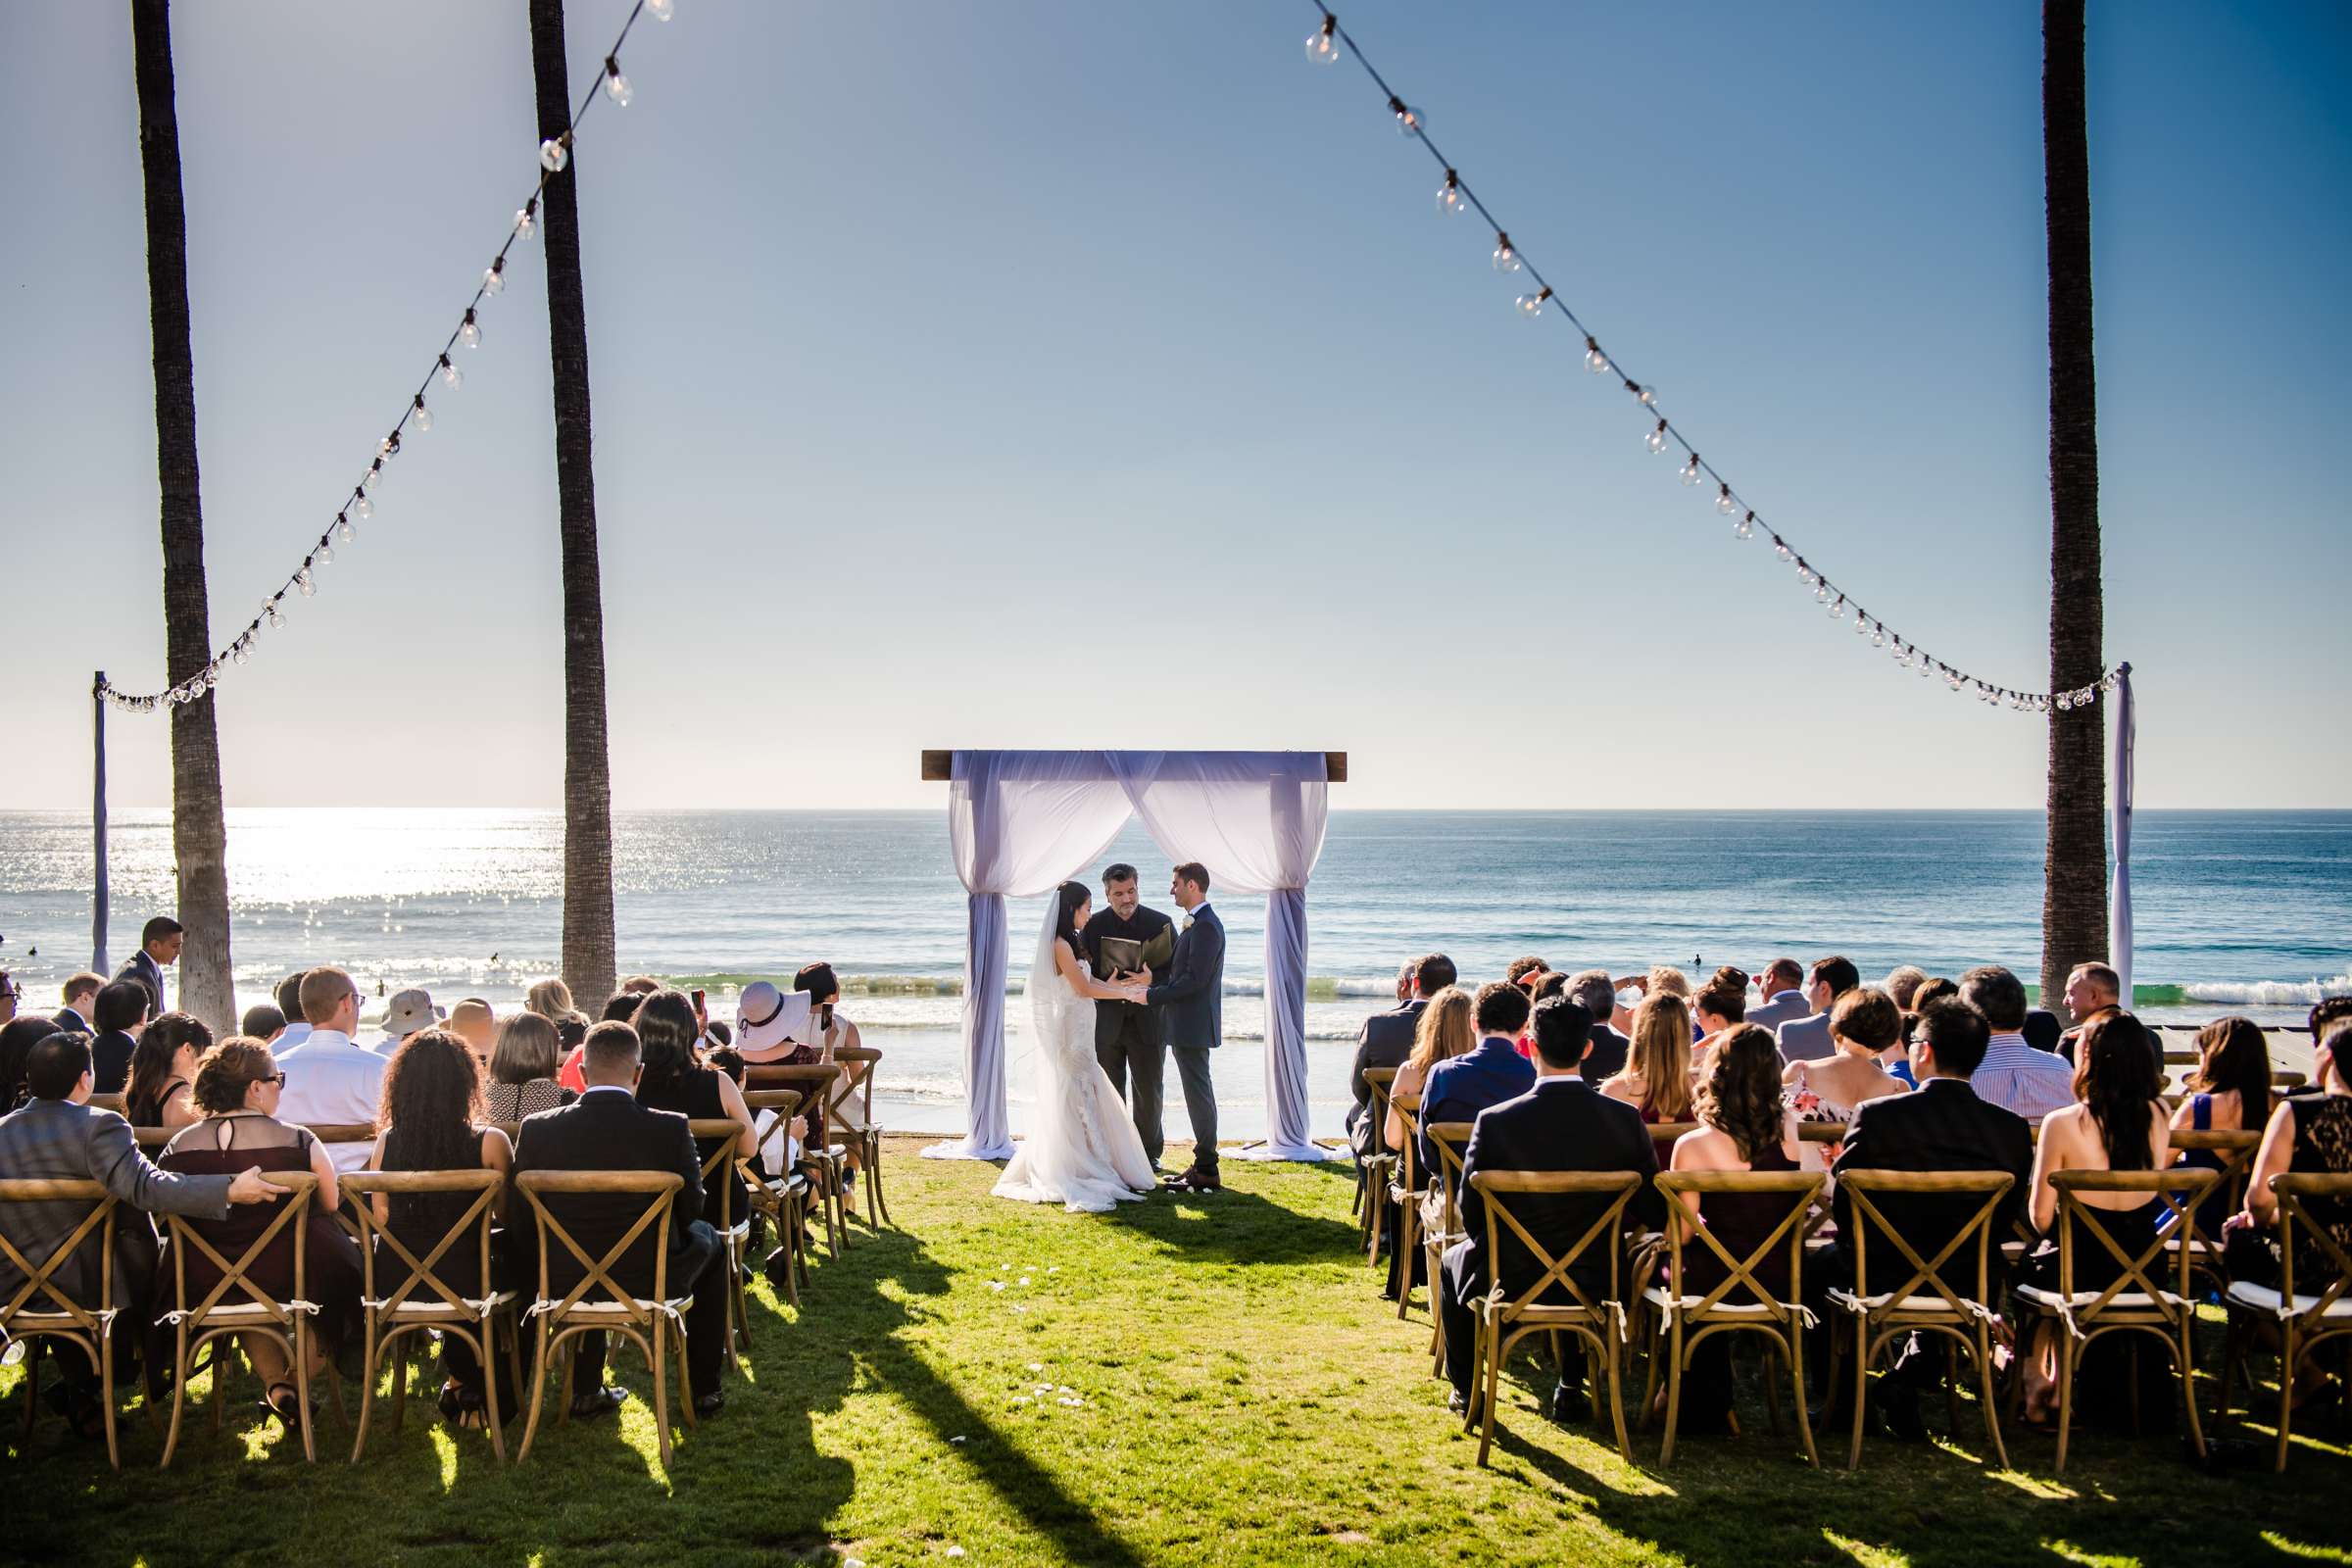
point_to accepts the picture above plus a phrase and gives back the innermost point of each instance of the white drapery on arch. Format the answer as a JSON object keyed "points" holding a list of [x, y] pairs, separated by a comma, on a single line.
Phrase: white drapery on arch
{"points": [[1022, 822]]}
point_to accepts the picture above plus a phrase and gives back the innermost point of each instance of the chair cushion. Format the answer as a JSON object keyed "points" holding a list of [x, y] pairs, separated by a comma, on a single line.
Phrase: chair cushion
{"points": [[1664, 1301], [1909, 1304], [2048, 1300], [615, 1309], [2267, 1298]]}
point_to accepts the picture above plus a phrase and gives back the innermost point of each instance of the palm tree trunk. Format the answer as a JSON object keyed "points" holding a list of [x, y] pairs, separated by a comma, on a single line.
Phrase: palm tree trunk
{"points": [[2074, 909], [588, 938], [199, 830]]}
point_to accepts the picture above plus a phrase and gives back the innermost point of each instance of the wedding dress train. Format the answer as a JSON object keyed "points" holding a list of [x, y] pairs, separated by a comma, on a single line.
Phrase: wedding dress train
{"points": [[1082, 1151]]}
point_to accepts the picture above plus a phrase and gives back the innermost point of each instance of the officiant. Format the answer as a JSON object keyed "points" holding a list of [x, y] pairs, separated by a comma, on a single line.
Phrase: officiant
{"points": [[1127, 1040]]}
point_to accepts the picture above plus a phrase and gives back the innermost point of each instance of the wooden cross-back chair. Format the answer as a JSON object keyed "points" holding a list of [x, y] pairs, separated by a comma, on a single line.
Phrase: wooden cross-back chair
{"points": [[726, 1156], [652, 1323], [868, 1136], [2233, 1150], [1501, 1319], [209, 1319], [1374, 1168], [41, 1309], [1924, 1302], [814, 1082], [113, 1103], [424, 1302], [1441, 1223], [1683, 1318], [782, 1198], [328, 1132], [2308, 1312], [2140, 1301], [1662, 1135], [1405, 1190]]}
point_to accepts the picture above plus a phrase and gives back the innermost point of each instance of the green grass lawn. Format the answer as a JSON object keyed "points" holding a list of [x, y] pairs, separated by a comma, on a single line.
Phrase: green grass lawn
{"points": [[1245, 1396]]}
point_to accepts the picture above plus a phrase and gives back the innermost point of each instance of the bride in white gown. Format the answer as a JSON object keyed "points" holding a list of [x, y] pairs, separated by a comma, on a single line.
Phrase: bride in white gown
{"points": [[1082, 1151]]}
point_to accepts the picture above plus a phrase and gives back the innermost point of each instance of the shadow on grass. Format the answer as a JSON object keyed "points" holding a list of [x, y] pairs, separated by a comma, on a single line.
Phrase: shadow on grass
{"points": [[1236, 1226]]}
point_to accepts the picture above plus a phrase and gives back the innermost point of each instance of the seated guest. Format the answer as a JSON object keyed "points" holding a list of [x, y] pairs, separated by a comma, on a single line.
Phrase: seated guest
{"points": [[79, 1013], [160, 941], [162, 1069], [1864, 1023], [549, 999], [329, 1080], [1902, 983], [2313, 1133], [238, 1090], [1944, 1126], [122, 1011], [2326, 1014], [619, 1007], [1742, 1126], [1517, 971], [263, 1022], [1655, 1079], [17, 1037], [1560, 1123], [1596, 992], [432, 1121], [1935, 988], [2117, 1123], [522, 1069], [472, 1022], [674, 1080], [1446, 1029], [1807, 1038], [640, 986], [1720, 1004], [408, 1013], [605, 1129], [831, 1032], [2230, 1092], [59, 1136], [2091, 990], [1487, 1074], [769, 1025], [2015, 1076], [1386, 1039], [288, 998], [1782, 999]]}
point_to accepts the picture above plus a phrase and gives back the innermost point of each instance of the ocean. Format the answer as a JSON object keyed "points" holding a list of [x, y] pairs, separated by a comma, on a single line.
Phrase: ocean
{"points": [[2238, 911]]}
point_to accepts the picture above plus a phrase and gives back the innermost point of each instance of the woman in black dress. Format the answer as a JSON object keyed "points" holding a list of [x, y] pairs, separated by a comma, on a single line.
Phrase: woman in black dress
{"points": [[2306, 1133], [675, 1078]]}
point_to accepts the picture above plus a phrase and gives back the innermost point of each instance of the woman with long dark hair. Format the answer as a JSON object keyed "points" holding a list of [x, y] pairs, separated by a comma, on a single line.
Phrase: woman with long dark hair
{"points": [[432, 1120], [1742, 1125], [162, 1069], [2116, 1122], [831, 1032], [2231, 1092], [675, 1078]]}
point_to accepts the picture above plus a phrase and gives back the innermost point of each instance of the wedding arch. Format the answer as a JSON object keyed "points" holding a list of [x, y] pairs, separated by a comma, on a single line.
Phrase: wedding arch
{"points": [[1022, 822]]}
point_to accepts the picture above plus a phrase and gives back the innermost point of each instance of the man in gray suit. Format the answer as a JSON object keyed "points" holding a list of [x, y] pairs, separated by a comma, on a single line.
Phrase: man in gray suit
{"points": [[58, 1135], [1808, 1038], [1783, 1000]]}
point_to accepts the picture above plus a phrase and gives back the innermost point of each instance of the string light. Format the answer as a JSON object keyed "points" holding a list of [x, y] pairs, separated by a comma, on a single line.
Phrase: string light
{"points": [[1456, 195], [359, 503]]}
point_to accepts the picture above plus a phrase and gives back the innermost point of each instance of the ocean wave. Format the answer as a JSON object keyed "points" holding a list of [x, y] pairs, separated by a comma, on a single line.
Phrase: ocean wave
{"points": [[1319, 988], [2247, 994]]}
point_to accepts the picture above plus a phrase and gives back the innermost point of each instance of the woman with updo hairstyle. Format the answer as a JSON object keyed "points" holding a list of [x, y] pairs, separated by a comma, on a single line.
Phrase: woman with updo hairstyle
{"points": [[236, 1091], [432, 1121], [1742, 1125], [673, 1077], [162, 1069]]}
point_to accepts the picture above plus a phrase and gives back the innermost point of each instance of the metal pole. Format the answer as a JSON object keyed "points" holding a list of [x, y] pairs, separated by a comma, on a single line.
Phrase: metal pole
{"points": [[98, 897]]}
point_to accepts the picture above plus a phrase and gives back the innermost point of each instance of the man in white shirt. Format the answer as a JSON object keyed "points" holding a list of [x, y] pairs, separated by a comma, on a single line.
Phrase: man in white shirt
{"points": [[329, 1080]]}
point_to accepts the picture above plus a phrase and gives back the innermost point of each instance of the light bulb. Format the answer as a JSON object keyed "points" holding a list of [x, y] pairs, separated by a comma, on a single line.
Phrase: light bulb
{"points": [[1595, 360], [304, 581], [1646, 396], [365, 508], [1507, 260], [1724, 501], [661, 9], [276, 619], [1746, 527], [1860, 625], [324, 554], [1927, 667], [451, 376], [553, 155], [1779, 548], [494, 276], [1804, 574], [419, 416], [1689, 473], [1656, 440], [1322, 48], [374, 473], [616, 86], [343, 528], [1952, 679], [384, 450], [469, 331], [1410, 121], [1878, 636], [1821, 591], [1451, 200], [526, 219], [1530, 305], [239, 654]]}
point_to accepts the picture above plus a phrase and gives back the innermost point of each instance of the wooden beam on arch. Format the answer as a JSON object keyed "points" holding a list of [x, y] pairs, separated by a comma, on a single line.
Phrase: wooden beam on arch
{"points": [[938, 767]]}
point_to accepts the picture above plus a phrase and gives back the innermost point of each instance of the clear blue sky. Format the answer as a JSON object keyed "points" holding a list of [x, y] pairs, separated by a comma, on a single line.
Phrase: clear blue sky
{"points": [[961, 369]]}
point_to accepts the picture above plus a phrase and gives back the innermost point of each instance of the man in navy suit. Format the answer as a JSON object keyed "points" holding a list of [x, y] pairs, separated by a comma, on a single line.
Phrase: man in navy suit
{"points": [[1191, 1011], [160, 941], [1387, 1038], [1487, 1074], [1561, 1123]]}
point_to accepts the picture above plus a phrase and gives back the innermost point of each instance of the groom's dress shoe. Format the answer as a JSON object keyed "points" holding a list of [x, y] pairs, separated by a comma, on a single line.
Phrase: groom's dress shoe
{"points": [[1195, 1180]]}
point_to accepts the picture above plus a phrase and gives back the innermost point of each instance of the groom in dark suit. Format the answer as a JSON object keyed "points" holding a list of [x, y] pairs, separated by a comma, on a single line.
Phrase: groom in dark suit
{"points": [[1191, 1009]]}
